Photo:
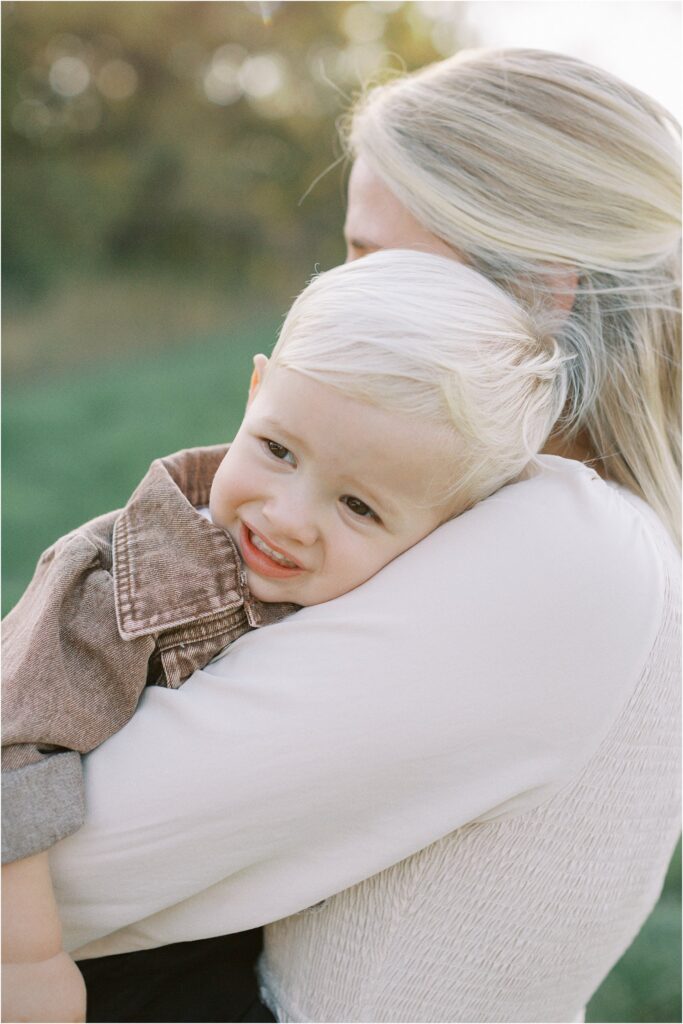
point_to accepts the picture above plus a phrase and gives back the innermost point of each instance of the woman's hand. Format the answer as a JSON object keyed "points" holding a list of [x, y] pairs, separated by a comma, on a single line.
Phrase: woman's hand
{"points": [[40, 982], [44, 990]]}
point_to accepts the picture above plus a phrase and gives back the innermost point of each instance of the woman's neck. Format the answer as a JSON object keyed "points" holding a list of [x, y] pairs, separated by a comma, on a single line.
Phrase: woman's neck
{"points": [[578, 448]]}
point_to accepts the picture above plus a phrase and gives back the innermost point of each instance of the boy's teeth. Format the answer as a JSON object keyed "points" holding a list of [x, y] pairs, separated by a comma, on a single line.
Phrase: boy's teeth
{"points": [[275, 555]]}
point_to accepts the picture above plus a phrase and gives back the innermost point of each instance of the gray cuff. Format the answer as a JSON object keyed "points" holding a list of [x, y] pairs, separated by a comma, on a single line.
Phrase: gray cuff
{"points": [[41, 804]]}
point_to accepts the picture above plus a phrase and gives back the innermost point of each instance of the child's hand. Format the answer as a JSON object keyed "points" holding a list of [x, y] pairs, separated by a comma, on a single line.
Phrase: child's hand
{"points": [[40, 982], [46, 990]]}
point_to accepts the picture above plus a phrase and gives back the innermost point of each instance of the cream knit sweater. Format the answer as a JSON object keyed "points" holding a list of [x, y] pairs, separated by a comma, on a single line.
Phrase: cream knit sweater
{"points": [[512, 920], [504, 698]]}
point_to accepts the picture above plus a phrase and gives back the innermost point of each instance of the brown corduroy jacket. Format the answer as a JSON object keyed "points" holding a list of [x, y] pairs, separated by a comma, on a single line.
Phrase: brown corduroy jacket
{"points": [[140, 596]]}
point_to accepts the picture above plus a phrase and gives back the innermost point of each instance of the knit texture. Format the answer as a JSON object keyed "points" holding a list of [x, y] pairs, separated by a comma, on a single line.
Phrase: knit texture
{"points": [[512, 920]]}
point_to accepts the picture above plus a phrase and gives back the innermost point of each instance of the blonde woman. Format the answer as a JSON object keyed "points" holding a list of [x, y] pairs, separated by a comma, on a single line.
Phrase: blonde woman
{"points": [[451, 794]]}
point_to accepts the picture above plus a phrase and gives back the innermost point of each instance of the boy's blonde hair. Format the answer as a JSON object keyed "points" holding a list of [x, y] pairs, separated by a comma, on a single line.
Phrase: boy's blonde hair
{"points": [[429, 338], [529, 163]]}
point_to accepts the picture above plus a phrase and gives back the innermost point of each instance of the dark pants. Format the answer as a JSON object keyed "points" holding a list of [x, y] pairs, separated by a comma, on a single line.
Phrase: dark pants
{"points": [[206, 980]]}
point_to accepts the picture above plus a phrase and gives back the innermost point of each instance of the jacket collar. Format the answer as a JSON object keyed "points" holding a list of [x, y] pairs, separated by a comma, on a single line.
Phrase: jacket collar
{"points": [[172, 566]]}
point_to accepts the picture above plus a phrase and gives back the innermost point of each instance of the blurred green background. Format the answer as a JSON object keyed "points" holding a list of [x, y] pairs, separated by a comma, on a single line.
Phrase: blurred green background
{"points": [[158, 220]]}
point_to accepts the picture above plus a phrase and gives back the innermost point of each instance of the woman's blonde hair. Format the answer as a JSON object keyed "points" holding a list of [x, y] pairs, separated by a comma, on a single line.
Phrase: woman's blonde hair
{"points": [[531, 163], [428, 338]]}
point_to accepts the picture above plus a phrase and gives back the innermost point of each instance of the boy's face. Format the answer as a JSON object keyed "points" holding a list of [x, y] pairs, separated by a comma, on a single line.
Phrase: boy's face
{"points": [[320, 491]]}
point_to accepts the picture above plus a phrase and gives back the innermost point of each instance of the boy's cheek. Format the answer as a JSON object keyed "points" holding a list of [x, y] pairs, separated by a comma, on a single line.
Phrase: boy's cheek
{"points": [[215, 505], [221, 499], [232, 487], [355, 563]]}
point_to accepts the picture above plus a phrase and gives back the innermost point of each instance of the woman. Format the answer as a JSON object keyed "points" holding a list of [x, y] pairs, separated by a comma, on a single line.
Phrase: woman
{"points": [[503, 697]]}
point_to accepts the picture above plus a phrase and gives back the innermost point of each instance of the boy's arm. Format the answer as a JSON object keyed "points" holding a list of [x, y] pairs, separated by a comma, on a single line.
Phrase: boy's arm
{"points": [[40, 982], [69, 682], [42, 802]]}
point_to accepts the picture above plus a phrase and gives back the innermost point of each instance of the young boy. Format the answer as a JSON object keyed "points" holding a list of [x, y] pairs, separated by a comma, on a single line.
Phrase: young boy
{"points": [[403, 389]]}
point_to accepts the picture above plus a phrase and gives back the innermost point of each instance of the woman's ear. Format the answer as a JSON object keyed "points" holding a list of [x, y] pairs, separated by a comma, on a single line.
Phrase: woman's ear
{"points": [[260, 364], [562, 285]]}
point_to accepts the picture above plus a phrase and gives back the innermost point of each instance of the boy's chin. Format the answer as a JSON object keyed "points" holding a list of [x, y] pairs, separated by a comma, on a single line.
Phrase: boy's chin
{"points": [[286, 591], [294, 591], [273, 591]]}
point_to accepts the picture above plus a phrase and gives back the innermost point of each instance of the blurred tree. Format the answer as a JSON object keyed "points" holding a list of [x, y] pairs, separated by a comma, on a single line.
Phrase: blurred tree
{"points": [[180, 137]]}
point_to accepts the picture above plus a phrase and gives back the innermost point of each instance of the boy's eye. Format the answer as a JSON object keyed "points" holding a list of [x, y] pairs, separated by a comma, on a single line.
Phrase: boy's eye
{"points": [[279, 451], [358, 507]]}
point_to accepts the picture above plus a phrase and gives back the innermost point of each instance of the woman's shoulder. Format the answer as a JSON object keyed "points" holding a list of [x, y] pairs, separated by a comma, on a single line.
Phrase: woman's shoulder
{"points": [[568, 514], [563, 537]]}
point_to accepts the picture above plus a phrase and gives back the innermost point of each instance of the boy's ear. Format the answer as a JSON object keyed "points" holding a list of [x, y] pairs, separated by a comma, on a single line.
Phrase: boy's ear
{"points": [[260, 364]]}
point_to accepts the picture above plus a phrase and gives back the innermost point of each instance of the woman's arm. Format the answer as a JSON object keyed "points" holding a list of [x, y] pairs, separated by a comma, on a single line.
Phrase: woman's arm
{"points": [[468, 680]]}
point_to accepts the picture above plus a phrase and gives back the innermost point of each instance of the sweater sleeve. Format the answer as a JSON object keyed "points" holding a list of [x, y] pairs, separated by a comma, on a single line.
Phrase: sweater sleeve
{"points": [[69, 681], [468, 681]]}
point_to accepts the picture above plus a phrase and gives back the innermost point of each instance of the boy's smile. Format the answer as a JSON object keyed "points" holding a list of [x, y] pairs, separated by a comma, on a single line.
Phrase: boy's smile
{"points": [[319, 490], [265, 558]]}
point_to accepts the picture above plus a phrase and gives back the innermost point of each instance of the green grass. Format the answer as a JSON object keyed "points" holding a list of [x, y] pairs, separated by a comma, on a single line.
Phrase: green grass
{"points": [[77, 443], [646, 983]]}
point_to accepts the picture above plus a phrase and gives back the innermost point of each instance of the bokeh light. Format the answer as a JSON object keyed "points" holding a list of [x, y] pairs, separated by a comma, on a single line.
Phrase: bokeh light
{"points": [[363, 23], [221, 79], [69, 76], [262, 75]]}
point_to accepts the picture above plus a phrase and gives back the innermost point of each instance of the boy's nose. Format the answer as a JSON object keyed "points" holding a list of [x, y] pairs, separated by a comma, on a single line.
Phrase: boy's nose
{"points": [[291, 521]]}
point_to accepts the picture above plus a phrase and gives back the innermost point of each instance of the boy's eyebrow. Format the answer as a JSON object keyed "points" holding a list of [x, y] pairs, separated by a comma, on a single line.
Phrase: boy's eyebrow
{"points": [[271, 424], [383, 505], [361, 243], [377, 501]]}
